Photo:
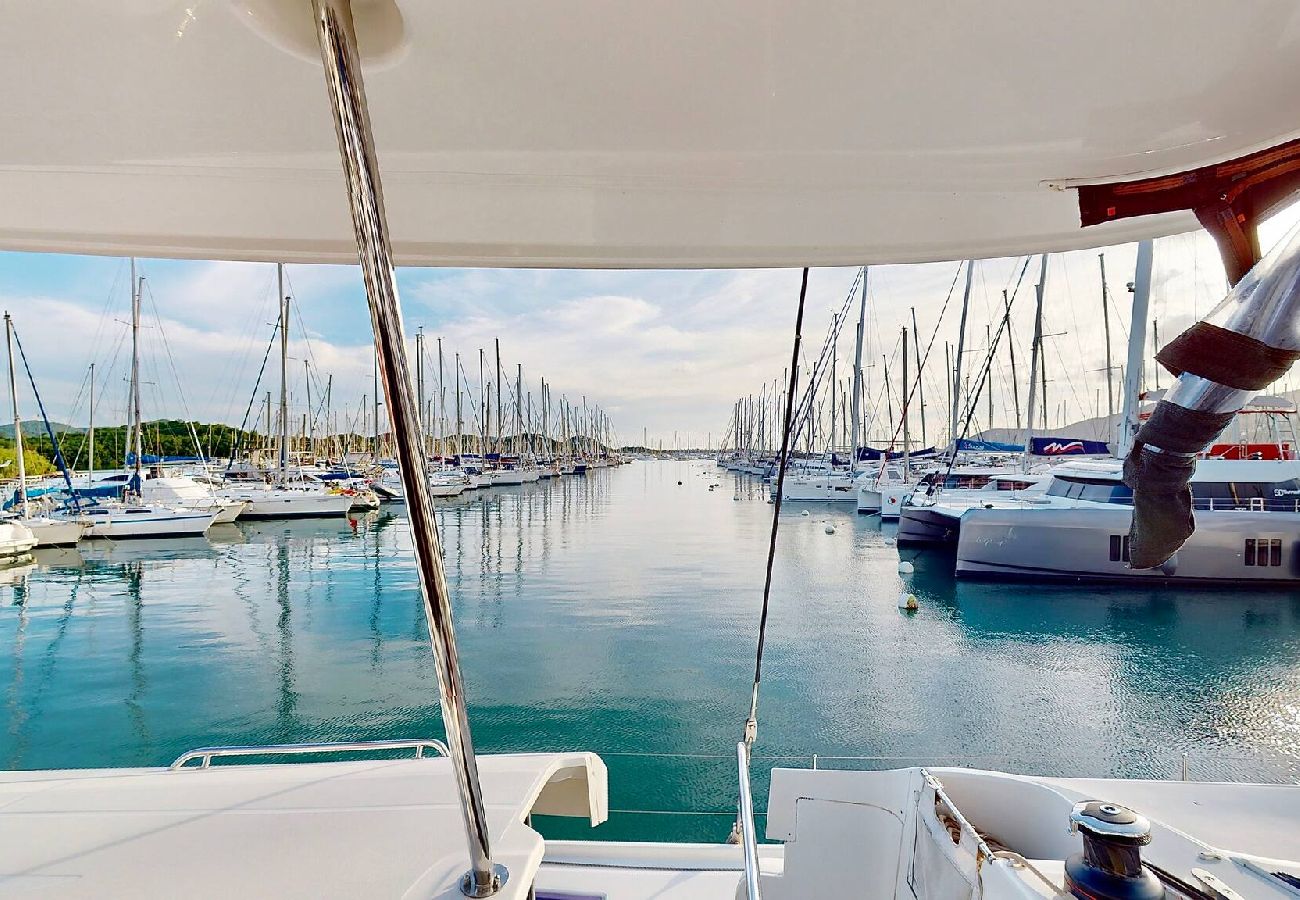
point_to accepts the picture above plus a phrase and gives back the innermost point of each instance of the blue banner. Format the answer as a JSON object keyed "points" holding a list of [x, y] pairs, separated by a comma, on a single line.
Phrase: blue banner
{"points": [[871, 454], [1058, 446], [988, 446]]}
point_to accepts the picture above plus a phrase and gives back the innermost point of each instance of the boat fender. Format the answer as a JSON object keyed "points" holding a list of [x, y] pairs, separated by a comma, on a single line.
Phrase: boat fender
{"points": [[908, 601], [830, 529], [905, 568], [1110, 866], [804, 513]]}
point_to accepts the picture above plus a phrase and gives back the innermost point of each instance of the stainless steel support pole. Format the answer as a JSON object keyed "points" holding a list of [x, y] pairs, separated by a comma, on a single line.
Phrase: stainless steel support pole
{"points": [[334, 31]]}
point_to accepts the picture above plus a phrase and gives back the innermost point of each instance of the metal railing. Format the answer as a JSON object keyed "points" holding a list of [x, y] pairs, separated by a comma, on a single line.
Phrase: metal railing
{"points": [[746, 819], [207, 754]]}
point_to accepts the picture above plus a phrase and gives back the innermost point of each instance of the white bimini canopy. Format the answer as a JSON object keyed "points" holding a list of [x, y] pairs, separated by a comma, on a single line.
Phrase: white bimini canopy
{"points": [[622, 133]]}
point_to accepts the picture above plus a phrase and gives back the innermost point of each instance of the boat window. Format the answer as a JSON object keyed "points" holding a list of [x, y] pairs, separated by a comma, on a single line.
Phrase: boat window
{"points": [[965, 482], [1262, 552], [1119, 548], [1095, 490], [1281, 496], [138, 512], [1010, 484]]}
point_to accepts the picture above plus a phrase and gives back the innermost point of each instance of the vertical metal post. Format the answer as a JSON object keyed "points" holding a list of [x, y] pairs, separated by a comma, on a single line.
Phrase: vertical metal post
{"points": [[856, 399], [1136, 346], [90, 460], [18, 422], [1036, 350], [955, 373], [137, 422], [284, 374], [334, 31]]}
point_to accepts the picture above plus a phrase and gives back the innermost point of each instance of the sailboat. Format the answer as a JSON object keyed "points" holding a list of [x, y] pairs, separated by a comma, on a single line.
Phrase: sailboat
{"points": [[132, 516], [286, 498], [768, 164], [46, 531]]}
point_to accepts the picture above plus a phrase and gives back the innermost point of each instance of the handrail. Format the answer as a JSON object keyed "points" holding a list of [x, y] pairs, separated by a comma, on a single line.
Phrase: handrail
{"points": [[207, 754], [746, 819]]}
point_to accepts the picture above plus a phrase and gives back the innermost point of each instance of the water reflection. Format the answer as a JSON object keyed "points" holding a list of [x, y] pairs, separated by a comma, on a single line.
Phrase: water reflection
{"points": [[618, 613]]}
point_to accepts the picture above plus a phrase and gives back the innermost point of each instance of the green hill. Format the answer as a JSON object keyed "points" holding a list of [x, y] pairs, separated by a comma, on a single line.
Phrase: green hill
{"points": [[37, 427]]}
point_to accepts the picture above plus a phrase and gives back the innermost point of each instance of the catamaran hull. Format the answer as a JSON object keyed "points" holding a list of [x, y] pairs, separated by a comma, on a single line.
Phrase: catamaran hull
{"points": [[1237, 547], [868, 499], [821, 491], [927, 526]]}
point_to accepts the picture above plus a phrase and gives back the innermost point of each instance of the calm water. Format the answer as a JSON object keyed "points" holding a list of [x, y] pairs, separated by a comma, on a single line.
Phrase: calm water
{"points": [[618, 613]]}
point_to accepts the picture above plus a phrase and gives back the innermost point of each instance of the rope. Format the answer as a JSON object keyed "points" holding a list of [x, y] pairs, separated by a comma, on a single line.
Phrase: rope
{"points": [[751, 724]]}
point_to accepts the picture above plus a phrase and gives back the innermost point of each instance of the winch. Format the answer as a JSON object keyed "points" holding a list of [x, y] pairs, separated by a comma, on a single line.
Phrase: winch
{"points": [[1110, 866]]}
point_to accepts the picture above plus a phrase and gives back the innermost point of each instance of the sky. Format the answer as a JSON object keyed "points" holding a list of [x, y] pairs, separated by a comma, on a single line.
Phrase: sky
{"points": [[666, 354]]}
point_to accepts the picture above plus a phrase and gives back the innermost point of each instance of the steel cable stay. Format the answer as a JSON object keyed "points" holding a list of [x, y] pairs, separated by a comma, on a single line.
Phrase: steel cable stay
{"points": [[743, 828], [808, 399], [934, 335], [243, 425], [972, 397], [49, 430]]}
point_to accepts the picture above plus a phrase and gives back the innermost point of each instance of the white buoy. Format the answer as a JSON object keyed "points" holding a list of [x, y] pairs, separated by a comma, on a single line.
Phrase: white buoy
{"points": [[804, 513], [907, 601], [890, 542], [830, 529], [905, 568]]}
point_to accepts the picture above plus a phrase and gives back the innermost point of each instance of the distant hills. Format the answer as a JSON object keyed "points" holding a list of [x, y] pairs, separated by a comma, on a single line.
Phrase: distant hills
{"points": [[36, 427]]}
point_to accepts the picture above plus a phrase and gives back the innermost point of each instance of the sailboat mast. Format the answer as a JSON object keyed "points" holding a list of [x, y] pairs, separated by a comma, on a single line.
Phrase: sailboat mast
{"points": [[833, 388], [519, 412], [18, 422], [906, 396], [442, 404], [284, 373], [1136, 341], [920, 382], [1035, 353], [955, 374], [375, 415], [499, 428], [310, 418], [421, 409], [460, 428], [1105, 318], [482, 409], [90, 463], [1011, 351], [135, 374], [329, 397]]}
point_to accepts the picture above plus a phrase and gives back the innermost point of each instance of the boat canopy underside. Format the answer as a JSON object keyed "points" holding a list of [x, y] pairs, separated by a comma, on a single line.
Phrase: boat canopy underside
{"points": [[623, 134]]}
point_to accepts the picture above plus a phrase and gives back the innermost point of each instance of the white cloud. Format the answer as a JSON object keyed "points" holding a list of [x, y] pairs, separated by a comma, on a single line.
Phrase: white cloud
{"points": [[662, 351]]}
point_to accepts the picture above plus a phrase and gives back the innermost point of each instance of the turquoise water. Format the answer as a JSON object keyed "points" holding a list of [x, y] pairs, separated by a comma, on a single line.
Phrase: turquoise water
{"points": [[618, 613]]}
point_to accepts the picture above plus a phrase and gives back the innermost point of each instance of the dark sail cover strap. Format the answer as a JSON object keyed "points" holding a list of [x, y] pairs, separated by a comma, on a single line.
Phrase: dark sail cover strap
{"points": [[1226, 357]]}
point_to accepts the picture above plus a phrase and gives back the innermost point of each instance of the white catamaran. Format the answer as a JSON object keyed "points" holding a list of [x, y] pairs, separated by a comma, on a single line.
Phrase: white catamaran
{"points": [[625, 135]]}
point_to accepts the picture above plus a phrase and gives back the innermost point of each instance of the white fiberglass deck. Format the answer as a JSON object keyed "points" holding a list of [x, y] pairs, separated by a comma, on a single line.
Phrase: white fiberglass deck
{"points": [[340, 829]]}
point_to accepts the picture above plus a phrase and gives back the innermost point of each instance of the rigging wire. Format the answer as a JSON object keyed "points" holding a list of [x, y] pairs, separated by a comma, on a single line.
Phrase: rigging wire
{"points": [[751, 723], [49, 431]]}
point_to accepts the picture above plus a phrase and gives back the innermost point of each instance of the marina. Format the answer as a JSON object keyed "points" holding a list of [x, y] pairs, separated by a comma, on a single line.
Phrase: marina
{"points": [[601, 612], [297, 601]]}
